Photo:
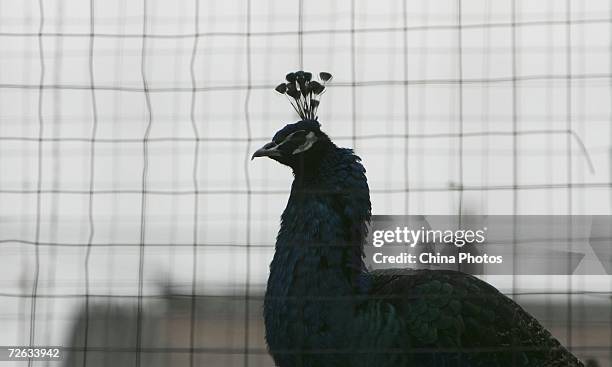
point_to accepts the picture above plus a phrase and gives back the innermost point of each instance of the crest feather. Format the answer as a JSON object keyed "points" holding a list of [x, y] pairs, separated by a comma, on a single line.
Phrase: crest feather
{"points": [[303, 93]]}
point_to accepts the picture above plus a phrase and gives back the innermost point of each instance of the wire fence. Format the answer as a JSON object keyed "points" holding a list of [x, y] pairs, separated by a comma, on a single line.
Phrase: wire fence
{"points": [[132, 220]]}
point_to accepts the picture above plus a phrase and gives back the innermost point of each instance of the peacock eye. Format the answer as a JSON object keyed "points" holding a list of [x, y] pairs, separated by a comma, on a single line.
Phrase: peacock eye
{"points": [[299, 137]]}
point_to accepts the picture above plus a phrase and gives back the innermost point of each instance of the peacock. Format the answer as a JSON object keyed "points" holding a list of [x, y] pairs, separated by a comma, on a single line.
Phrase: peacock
{"points": [[322, 307]]}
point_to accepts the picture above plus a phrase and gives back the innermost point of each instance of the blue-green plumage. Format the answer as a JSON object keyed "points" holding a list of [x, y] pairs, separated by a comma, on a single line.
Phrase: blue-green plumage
{"points": [[323, 308]]}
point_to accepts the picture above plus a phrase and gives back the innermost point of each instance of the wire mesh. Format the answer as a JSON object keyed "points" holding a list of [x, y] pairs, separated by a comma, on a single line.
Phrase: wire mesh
{"points": [[135, 230]]}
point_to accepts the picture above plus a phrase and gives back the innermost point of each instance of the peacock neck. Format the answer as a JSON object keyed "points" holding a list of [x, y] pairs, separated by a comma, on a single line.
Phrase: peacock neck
{"points": [[319, 250], [307, 169], [317, 271]]}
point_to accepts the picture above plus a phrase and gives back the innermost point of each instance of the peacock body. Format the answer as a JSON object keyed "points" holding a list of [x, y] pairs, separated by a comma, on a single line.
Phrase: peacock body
{"points": [[323, 308]]}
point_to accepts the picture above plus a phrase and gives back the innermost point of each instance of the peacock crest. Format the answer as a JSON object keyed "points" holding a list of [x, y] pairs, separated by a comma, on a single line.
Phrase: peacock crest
{"points": [[303, 93]]}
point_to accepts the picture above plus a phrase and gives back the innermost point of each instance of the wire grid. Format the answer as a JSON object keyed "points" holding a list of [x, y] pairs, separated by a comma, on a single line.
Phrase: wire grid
{"points": [[127, 130]]}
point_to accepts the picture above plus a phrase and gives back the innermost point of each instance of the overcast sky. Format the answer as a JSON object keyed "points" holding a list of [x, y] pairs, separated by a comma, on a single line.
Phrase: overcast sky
{"points": [[488, 107]]}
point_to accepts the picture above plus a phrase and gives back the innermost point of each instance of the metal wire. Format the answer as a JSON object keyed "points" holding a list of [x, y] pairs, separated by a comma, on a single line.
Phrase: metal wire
{"points": [[197, 199]]}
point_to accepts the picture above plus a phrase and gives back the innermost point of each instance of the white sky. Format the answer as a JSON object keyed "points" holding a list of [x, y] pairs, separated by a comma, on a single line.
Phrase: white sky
{"points": [[435, 102]]}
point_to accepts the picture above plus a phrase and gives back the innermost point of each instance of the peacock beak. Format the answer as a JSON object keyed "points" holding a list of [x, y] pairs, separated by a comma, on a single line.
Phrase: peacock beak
{"points": [[268, 150]]}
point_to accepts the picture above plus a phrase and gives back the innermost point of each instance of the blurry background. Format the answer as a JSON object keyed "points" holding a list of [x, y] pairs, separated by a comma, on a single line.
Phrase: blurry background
{"points": [[134, 226]]}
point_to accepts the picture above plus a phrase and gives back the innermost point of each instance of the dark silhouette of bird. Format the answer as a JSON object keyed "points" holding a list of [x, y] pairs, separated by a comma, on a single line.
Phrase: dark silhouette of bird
{"points": [[323, 308]]}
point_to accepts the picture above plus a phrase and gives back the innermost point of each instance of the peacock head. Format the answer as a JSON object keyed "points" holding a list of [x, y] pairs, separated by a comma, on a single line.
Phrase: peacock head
{"points": [[300, 144], [296, 145]]}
